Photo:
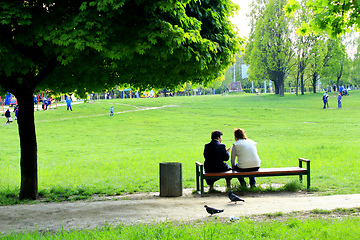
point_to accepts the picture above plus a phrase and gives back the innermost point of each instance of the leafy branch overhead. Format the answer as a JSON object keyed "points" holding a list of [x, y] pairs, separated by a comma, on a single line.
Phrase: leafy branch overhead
{"points": [[101, 43], [334, 17]]}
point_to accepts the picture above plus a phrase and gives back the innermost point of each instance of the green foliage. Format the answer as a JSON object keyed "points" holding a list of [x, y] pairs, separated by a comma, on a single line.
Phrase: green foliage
{"points": [[336, 59], [355, 65], [334, 17], [88, 46], [269, 50]]}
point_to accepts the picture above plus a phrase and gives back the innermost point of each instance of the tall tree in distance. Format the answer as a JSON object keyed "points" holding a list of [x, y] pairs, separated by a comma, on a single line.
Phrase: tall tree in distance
{"points": [[355, 68], [75, 45], [303, 45], [271, 51], [257, 10], [335, 60], [318, 58]]}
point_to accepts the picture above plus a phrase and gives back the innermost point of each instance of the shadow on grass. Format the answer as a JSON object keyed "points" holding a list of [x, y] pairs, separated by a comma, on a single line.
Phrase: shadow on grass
{"points": [[55, 194]]}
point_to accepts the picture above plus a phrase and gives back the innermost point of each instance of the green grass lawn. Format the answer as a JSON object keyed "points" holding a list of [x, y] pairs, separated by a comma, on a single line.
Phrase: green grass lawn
{"points": [[280, 226], [86, 151]]}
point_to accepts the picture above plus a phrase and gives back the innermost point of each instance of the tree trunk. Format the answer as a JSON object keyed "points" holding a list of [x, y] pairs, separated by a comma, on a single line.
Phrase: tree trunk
{"points": [[302, 84], [28, 145], [281, 86], [297, 83], [276, 87], [314, 83], [281, 90]]}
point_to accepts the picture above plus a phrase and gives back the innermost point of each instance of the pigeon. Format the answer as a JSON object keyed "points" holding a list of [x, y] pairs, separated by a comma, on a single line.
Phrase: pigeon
{"points": [[212, 211], [234, 198]]}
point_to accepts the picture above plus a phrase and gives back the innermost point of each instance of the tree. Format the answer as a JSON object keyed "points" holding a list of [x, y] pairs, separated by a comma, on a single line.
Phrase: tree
{"points": [[335, 17], [319, 57], [302, 45], [270, 52], [355, 68], [336, 59], [83, 46]]}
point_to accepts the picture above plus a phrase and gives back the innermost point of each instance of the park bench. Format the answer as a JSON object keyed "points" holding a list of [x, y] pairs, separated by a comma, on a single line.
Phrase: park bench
{"points": [[262, 172]]}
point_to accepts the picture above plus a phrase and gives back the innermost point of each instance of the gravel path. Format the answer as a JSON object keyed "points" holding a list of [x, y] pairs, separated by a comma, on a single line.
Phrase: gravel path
{"points": [[149, 207]]}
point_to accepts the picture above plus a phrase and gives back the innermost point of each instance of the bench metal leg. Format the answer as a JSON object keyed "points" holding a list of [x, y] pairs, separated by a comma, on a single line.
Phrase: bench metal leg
{"points": [[308, 175], [300, 176], [197, 178], [202, 179]]}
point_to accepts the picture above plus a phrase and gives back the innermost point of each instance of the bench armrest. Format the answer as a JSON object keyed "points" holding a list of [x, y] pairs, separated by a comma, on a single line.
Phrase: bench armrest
{"points": [[304, 160], [199, 163]]}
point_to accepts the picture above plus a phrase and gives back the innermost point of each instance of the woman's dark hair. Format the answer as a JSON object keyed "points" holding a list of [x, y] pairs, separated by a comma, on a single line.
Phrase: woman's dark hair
{"points": [[240, 133], [216, 135]]}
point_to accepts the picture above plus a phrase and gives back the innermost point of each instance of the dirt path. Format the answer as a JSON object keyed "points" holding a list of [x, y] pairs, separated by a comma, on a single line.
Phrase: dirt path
{"points": [[140, 208]]}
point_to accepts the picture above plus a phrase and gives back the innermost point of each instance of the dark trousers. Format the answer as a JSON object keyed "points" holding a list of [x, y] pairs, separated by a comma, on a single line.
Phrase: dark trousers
{"points": [[69, 107], [242, 180]]}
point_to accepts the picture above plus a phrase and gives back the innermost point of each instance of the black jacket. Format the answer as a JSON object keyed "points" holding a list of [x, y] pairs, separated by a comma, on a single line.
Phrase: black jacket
{"points": [[7, 113], [215, 154]]}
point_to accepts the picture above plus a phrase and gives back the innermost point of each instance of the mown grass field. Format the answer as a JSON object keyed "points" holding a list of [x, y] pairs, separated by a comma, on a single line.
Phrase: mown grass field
{"points": [[86, 151], [317, 225]]}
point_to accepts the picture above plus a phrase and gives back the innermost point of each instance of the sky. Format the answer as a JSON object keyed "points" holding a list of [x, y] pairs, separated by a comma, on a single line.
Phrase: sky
{"points": [[240, 19]]}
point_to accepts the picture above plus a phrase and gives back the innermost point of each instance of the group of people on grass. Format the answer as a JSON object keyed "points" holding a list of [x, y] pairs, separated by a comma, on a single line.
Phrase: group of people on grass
{"points": [[325, 99], [8, 115], [244, 157], [16, 111]]}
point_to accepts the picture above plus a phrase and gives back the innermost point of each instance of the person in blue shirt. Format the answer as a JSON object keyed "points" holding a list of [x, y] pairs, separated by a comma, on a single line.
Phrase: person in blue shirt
{"points": [[16, 110], [111, 111], [339, 100], [68, 103], [341, 89], [324, 99]]}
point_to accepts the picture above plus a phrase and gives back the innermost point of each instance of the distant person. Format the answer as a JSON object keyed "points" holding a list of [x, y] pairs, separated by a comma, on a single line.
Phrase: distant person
{"points": [[324, 98], [247, 156], [68, 103], [341, 89], [345, 92], [16, 110], [339, 100], [328, 88], [334, 89], [327, 99], [45, 103], [111, 111], [8, 116], [216, 155]]}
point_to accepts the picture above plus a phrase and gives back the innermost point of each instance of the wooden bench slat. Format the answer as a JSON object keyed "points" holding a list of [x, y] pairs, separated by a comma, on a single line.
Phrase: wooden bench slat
{"points": [[262, 172], [259, 172]]}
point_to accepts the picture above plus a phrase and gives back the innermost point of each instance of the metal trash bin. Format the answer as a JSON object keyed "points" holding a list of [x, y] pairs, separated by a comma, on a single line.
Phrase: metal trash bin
{"points": [[170, 179]]}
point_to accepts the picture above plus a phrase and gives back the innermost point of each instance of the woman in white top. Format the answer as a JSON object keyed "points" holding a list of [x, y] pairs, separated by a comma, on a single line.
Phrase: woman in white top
{"points": [[247, 157]]}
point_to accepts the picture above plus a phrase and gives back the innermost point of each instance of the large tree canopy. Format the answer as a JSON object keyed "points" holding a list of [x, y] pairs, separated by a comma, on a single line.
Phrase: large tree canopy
{"points": [[83, 46]]}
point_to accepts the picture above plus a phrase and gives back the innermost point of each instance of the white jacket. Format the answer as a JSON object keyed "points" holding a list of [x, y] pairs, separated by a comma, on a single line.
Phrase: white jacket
{"points": [[246, 153]]}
